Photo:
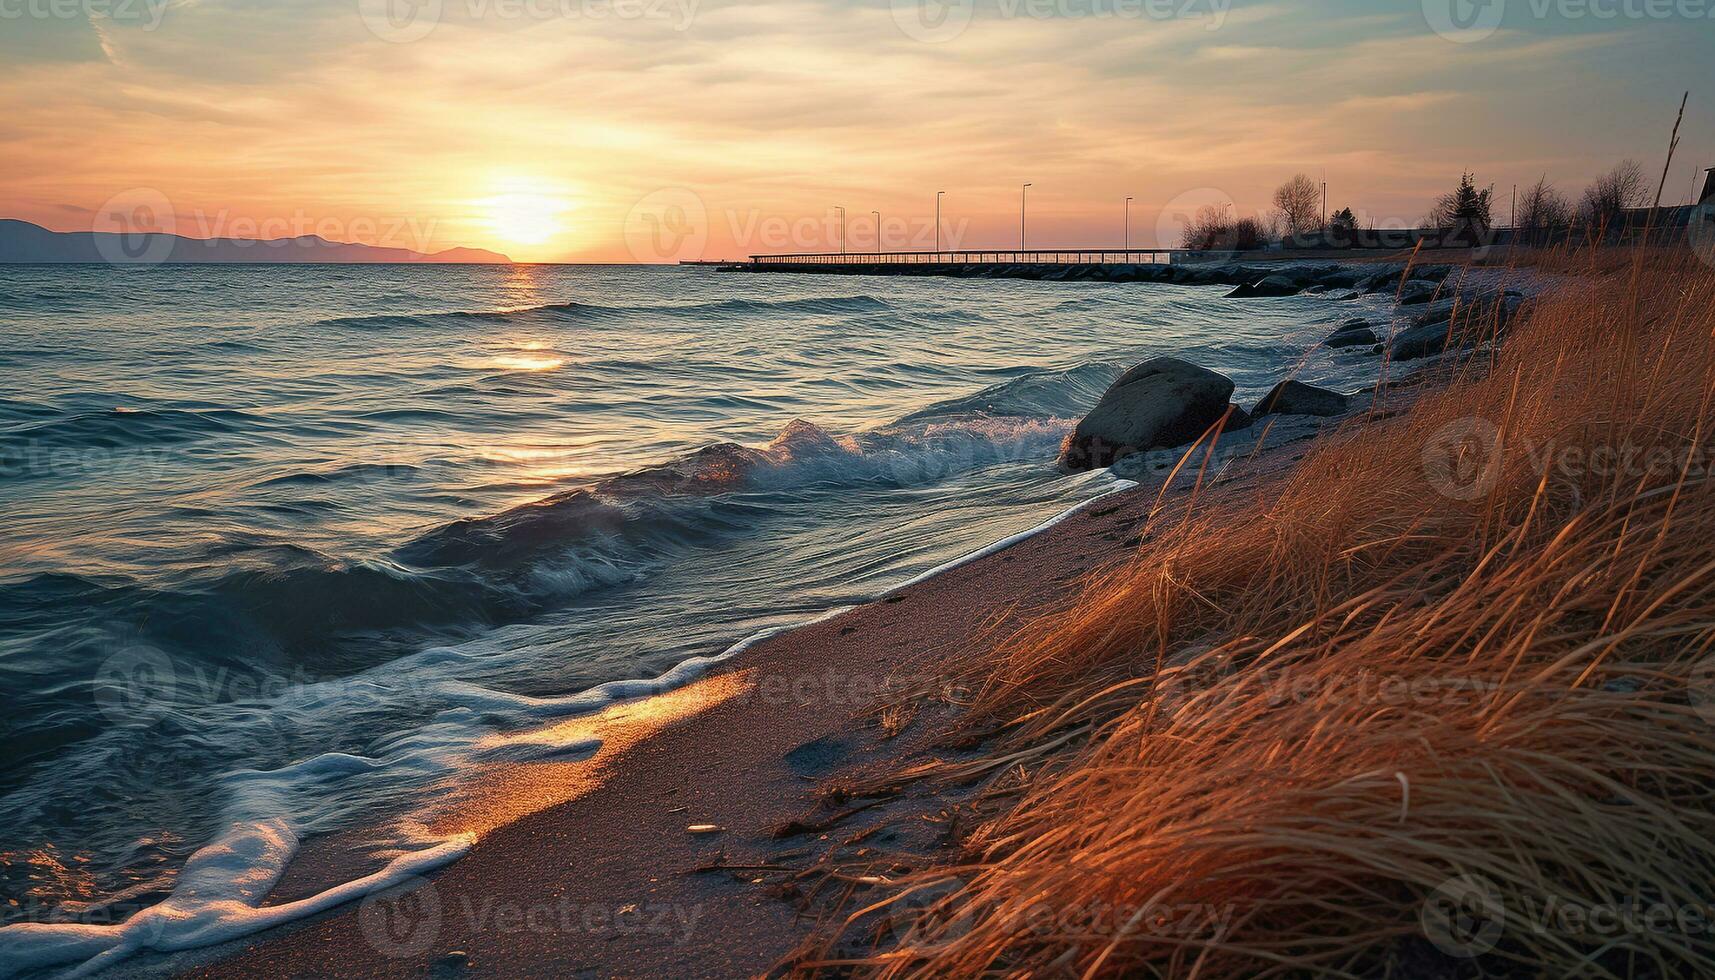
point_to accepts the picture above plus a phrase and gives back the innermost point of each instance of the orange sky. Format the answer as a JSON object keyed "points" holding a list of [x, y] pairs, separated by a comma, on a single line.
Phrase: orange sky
{"points": [[579, 130]]}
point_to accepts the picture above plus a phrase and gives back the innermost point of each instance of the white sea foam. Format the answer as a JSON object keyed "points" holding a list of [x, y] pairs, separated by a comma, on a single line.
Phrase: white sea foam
{"points": [[218, 895]]}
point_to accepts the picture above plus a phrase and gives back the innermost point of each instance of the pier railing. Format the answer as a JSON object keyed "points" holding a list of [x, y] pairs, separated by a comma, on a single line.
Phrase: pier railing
{"points": [[1057, 256]]}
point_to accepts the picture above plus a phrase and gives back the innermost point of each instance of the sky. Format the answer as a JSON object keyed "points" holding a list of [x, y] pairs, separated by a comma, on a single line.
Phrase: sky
{"points": [[659, 130]]}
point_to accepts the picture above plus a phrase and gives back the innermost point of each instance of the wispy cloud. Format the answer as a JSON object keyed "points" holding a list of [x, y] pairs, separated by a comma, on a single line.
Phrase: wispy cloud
{"points": [[784, 109]]}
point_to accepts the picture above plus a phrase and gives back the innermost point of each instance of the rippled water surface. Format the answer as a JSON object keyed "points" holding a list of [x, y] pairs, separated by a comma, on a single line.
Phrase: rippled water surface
{"points": [[282, 542]]}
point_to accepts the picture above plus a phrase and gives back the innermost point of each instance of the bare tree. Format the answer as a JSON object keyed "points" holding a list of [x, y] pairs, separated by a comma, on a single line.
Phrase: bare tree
{"points": [[1298, 202], [1211, 229], [1541, 207], [1620, 188]]}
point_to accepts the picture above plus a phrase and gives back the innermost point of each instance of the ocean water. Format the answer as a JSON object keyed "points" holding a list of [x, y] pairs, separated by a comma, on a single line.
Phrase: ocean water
{"points": [[280, 544]]}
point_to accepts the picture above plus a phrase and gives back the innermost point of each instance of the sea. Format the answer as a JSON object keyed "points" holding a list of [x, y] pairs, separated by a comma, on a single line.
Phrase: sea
{"points": [[283, 544]]}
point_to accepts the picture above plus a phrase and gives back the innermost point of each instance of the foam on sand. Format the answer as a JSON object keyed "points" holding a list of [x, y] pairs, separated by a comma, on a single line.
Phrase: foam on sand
{"points": [[219, 892]]}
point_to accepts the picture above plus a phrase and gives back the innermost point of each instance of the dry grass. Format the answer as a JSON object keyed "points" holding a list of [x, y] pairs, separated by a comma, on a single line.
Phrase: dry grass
{"points": [[1430, 704]]}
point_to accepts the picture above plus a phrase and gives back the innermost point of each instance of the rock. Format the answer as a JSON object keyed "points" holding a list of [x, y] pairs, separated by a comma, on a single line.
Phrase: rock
{"points": [[1160, 403], [1341, 278], [1316, 290], [1351, 334], [1417, 291], [1297, 398], [1439, 311], [1421, 341], [1270, 286]]}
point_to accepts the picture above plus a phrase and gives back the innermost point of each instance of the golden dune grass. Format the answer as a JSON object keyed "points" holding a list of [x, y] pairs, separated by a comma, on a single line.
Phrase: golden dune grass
{"points": [[1439, 701]]}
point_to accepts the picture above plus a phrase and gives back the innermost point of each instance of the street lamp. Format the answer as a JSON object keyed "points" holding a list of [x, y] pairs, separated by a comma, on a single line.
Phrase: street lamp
{"points": [[938, 220], [878, 248], [842, 212], [1128, 224], [1021, 200]]}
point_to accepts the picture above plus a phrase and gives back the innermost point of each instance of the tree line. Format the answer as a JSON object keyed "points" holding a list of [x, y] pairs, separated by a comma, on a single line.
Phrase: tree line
{"points": [[1467, 210]]}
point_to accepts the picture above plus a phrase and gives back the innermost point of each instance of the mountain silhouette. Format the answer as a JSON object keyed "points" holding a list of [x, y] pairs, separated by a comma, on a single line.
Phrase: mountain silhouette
{"points": [[21, 241]]}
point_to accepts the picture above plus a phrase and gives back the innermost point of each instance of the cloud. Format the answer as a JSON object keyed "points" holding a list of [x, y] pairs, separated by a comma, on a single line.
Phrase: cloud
{"points": [[778, 109]]}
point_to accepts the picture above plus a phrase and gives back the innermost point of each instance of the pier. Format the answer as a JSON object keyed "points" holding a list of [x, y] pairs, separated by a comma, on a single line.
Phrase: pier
{"points": [[965, 262]]}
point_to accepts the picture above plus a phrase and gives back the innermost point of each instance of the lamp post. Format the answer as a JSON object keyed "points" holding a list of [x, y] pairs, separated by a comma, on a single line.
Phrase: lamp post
{"points": [[1128, 224], [878, 248], [938, 195], [1021, 202], [842, 212]]}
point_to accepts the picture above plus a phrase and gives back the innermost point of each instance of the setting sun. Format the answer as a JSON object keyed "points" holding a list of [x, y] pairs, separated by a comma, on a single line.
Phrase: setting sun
{"points": [[524, 212]]}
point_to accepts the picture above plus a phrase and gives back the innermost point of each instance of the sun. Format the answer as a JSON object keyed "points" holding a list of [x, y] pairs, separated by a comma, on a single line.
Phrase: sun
{"points": [[524, 219], [524, 211]]}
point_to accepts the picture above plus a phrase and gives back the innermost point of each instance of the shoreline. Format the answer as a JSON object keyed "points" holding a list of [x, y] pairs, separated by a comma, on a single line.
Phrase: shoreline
{"points": [[744, 748], [329, 874], [699, 696], [759, 727]]}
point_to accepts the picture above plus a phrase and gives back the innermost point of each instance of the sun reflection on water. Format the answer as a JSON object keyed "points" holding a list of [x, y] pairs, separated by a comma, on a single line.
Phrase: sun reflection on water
{"points": [[525, 362]]}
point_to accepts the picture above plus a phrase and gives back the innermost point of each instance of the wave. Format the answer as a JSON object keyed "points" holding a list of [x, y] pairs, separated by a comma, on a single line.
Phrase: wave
{"points": [[1049, 394], [295, 603], [573, 312], [220, 892], [126, 428]]}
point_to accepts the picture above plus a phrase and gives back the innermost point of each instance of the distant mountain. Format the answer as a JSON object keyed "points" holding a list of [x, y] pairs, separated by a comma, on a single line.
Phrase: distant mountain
{"points": [[21, 241]]}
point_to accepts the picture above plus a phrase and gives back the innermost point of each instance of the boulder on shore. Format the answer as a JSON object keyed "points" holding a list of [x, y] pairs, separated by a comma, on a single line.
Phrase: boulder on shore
{"points": [[1421, 341], [1268, 286], [1160, 403], [1351, 334], [1417, 291], [1297, 398]]}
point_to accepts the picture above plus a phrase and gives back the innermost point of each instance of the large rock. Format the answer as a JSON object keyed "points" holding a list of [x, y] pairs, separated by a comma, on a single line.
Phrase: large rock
{"points": [[1417, 291], [1421, 341], [1297, 398], [1352, 333], [1160, 403], [1270, 286]]}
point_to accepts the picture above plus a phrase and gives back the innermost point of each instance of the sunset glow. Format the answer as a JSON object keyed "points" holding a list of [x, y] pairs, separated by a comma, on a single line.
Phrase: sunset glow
{"points": [[541, 132]]}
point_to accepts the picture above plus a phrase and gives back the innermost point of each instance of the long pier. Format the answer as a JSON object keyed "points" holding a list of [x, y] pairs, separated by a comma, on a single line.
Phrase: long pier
{"points": [[963, 261]]}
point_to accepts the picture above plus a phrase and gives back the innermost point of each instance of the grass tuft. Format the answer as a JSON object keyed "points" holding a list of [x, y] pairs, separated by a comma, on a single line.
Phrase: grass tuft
{"points": [[1437, 701]]}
